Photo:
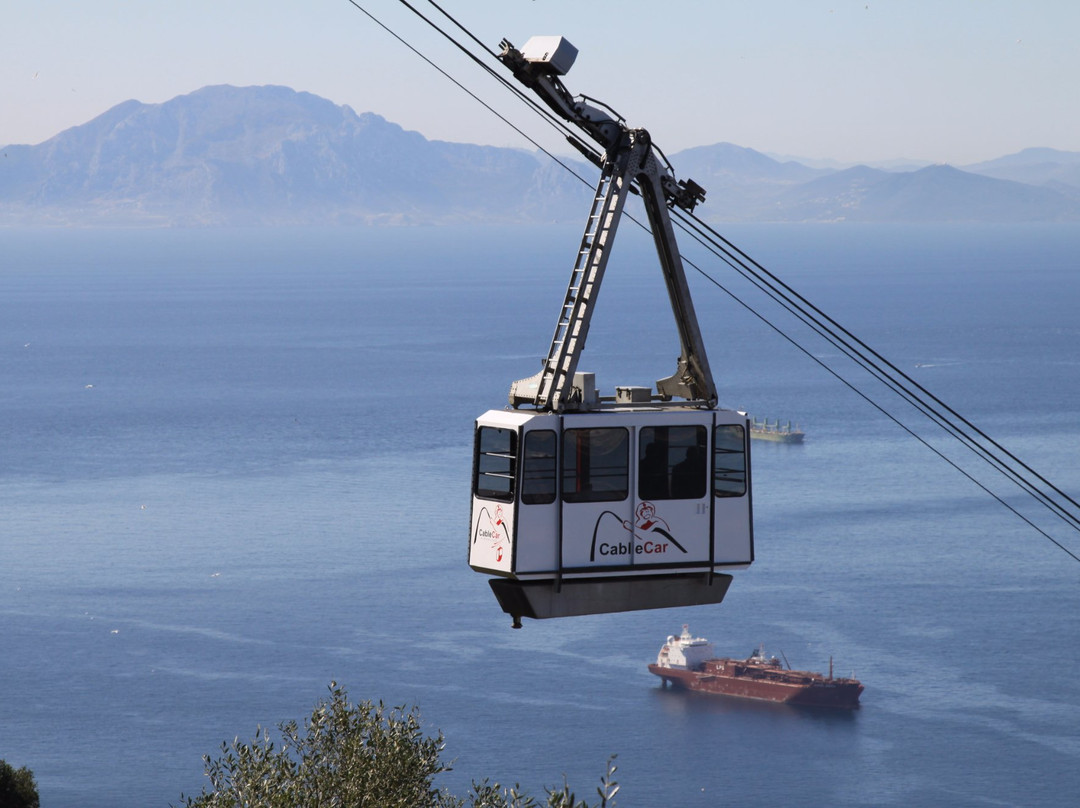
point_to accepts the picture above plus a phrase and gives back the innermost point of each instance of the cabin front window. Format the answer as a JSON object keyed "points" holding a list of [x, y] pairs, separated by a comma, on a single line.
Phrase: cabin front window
{"points": [[496, 463], [729, 461], [672, 462], [596, 465], [538, 469]]}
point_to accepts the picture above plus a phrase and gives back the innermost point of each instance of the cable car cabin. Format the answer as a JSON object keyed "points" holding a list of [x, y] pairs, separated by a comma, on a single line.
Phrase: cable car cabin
{"points": [[640, 501], [610, 510]]}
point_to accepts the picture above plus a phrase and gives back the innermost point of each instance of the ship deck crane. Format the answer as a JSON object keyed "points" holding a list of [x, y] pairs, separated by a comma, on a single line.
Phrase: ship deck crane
{"points": [[584, 504]]}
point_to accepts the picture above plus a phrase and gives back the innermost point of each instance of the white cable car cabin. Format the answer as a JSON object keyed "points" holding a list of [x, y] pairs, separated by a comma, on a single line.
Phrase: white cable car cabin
{"points": [[583, 504]]}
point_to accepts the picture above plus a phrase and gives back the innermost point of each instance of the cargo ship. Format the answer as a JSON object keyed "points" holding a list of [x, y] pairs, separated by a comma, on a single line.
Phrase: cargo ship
{"points": [[689, 662], [777, 432]]}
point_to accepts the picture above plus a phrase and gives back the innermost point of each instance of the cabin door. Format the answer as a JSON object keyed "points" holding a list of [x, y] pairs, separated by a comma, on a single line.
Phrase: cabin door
{"points": [[597, 500]]}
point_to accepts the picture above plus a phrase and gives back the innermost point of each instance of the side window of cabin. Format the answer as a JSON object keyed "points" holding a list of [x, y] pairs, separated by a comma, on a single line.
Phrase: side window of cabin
{"points": [[538, 467], [729, 461], [596, 465], [672, 462], [496, 463]]}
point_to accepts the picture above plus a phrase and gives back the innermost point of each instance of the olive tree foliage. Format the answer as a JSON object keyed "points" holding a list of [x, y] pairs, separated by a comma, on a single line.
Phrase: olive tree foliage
{"points": [[485, 795], [355, 756], [17, 787]]}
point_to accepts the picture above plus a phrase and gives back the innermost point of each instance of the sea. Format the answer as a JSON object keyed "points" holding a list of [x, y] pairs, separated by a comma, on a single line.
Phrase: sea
{"points": [[234, 468]]}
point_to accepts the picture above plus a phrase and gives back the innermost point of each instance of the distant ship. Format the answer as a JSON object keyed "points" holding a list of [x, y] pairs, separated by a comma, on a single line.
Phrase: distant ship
{"points": [[786, 433], [689, 662]]}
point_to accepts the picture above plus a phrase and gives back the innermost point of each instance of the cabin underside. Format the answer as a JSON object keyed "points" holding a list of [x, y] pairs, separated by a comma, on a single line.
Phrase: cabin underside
{"points": [[577, 596]]}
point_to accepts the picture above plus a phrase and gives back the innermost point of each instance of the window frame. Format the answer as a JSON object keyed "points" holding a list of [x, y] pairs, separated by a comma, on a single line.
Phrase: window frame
{"points": [[501, 464], [672, 438], [535, 472], [723, 472], [582, 455]]}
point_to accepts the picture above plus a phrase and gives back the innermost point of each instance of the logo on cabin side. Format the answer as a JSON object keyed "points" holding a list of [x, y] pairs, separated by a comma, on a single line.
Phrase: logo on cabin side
{"points": [[495, 532], [649, 534]]}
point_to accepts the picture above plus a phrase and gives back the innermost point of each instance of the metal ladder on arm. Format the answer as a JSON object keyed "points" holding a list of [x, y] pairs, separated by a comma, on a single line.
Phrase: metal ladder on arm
{"points": [[552, 388]]}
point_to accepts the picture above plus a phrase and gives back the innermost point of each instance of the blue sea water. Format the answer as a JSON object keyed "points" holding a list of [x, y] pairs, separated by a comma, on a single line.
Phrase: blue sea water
{"points": [[233, 468]]}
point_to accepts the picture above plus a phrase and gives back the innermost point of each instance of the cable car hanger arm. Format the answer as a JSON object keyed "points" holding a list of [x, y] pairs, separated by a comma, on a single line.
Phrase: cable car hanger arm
{"points": [[629, 159]]}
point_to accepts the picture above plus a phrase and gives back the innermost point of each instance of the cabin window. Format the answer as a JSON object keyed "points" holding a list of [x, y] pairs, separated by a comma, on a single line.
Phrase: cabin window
{"points": [[729, 461], [596, 465], [496, 463], [538, 467], [672, 462]]}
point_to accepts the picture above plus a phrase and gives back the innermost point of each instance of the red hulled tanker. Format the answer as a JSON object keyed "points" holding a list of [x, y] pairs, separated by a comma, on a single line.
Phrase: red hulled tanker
{"points": [[689, 662]]}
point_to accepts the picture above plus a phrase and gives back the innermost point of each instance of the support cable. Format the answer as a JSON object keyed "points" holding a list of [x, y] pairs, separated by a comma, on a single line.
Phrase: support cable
{"points": [[884, 376], [905, 383], [462, 87], [554, 121], [882, 410], [960, 435]]}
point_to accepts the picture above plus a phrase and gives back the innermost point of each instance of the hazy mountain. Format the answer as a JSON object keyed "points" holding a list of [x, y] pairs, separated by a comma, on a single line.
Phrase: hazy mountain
{"points": [[271, 155], [227, 155], [895, 164], [740, 183], [1049, 167], [726, 162], [932, 194]]}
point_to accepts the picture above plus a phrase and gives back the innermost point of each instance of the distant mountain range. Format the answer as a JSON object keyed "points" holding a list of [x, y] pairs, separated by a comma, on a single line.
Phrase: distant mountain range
{"points": [[273, 156]]}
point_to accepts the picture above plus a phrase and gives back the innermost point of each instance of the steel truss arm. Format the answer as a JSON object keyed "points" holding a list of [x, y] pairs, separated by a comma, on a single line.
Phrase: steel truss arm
{"points": [[629, 161], [633, 161]]}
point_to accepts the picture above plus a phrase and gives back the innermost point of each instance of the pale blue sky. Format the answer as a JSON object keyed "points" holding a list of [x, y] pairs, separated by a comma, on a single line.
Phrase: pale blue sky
{"points": [[953, 81]]}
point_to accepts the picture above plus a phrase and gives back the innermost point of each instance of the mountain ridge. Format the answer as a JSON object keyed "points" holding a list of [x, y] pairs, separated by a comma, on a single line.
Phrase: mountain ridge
{"points": [[225, 155]]}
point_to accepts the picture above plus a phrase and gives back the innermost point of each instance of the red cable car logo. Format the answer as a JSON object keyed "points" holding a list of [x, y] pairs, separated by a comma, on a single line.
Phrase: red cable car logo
{"points": [[644, 532], [496, 531]]}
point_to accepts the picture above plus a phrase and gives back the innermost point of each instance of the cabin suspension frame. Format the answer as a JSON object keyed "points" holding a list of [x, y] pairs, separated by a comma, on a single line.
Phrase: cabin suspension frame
{"points": [[584, 504]]}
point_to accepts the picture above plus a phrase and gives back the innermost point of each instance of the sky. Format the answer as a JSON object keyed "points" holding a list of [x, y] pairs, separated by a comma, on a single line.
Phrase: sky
{"points": [[940, 81]]}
